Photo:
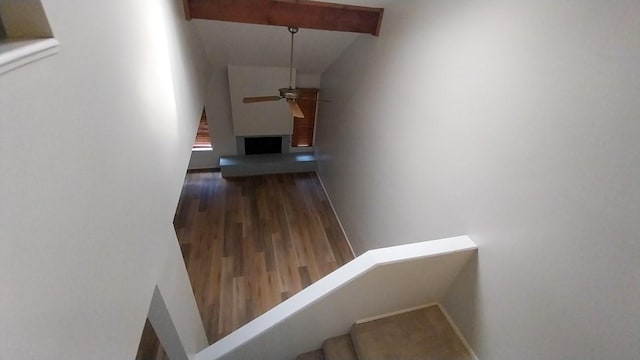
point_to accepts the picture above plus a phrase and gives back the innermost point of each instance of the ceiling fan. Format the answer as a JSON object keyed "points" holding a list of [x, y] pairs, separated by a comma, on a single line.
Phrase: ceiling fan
{"points": [[290, 94]]}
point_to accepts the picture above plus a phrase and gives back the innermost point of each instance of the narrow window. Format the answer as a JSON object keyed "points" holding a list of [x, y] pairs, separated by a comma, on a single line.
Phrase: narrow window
{"points": [[303, 127], [203, 140]]}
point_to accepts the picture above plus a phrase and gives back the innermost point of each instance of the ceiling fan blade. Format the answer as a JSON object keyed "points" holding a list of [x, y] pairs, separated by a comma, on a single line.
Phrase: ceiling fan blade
{"points": [[256, 99], [295, 109], [316, 100]]}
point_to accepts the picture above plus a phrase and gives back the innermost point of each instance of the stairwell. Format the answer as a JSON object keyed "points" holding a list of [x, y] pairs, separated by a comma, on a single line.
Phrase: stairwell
{"points": [[424, 333], [380, 281]]}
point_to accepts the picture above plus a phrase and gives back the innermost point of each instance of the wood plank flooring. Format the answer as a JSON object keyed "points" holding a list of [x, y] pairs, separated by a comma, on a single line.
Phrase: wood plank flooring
{"points": [[150, 347], [250, 243]]}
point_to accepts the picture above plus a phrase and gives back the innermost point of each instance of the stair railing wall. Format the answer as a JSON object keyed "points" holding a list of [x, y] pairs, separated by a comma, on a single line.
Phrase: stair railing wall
{"points": [[377, 282]]}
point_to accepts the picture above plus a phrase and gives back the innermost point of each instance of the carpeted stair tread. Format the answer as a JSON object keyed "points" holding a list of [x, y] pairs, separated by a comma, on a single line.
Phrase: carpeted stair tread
{"points": [[339, 348], [312, 355], [420, 334]]}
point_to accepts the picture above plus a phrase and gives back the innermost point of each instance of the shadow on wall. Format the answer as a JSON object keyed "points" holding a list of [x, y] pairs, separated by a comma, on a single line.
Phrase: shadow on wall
{"points": [[466, 287]]}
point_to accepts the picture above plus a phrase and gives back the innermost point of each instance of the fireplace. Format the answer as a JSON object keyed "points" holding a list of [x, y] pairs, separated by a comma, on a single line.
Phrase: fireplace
{"points": [[276, 158], [263, 145]]}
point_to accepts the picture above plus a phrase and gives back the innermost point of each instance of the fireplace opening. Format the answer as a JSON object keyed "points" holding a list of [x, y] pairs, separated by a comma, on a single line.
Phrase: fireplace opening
{"points": [[263, 145]]}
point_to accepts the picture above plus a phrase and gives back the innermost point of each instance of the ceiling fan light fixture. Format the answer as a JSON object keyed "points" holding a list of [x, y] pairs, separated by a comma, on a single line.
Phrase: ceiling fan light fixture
{"points": [[289, 93]]}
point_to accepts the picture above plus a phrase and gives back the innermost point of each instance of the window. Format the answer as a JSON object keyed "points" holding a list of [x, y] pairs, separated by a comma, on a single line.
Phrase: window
{"points": [[203, 140], [303, 127]]}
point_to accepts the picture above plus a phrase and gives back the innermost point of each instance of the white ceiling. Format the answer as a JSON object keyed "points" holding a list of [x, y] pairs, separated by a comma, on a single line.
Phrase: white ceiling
{"points": [[228, 43]]}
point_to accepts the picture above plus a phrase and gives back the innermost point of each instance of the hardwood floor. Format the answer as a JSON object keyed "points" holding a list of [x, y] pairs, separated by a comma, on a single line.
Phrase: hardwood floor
{"points": [[250, 243], [150, 347]]}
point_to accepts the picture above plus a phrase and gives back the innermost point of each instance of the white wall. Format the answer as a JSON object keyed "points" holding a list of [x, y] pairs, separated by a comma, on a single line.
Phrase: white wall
{"points": [[94, 144], [513, 122], [203, 159], [264, 118], [308, 80]]}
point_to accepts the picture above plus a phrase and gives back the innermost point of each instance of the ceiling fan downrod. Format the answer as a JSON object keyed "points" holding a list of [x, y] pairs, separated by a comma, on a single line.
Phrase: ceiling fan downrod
{"points": [[290, 94], [293, 31]]}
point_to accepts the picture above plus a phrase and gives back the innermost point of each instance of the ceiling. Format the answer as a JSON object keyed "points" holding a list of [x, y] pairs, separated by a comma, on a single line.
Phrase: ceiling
{"points": [[228, 43]]}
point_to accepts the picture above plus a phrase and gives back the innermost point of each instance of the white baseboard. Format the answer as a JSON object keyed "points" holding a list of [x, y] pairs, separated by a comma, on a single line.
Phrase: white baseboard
{"points": [[394, 313], [335, 213], [457, 331]]}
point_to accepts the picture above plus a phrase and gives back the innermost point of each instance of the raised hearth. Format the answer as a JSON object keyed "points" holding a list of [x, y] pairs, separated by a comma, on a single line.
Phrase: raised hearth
{"points": [[248, 165]]}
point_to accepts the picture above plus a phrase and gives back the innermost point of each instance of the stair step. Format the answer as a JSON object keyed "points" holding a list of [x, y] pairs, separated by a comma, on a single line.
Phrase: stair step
{"points": [[312, 355], [339, 348], [420, 334]]}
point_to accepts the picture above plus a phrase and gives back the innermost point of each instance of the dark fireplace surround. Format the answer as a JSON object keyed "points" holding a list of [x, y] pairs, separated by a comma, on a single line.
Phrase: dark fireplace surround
{"points": [[263, 145], [256, 145]]}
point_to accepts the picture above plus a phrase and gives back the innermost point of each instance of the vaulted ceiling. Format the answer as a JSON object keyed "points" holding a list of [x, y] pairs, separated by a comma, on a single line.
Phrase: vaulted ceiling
{"points": [[266, 45], [261, 45]]}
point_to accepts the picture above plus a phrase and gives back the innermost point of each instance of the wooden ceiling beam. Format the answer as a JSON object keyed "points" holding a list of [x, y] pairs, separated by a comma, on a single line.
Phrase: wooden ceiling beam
{"points": [[297, 13]]}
